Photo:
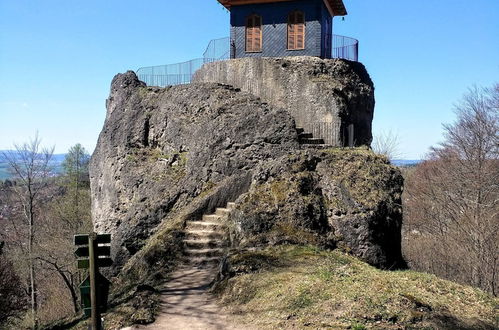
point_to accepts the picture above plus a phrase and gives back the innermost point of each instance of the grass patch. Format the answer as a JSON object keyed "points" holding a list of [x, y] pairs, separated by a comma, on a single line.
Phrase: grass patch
{"points": [[368, 177], [306, 287]]}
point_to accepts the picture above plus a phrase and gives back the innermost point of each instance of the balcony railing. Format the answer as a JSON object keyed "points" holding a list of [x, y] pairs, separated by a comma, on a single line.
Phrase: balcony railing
{"points": [[172, 74], [219, 50], [346, 48]]}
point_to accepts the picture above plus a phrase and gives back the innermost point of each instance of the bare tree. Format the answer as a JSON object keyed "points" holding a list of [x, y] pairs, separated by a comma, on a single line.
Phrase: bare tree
{"points": [[69, 212], [386, 143], [56, 254], [12, 298], [29, 164], [453, 197]]}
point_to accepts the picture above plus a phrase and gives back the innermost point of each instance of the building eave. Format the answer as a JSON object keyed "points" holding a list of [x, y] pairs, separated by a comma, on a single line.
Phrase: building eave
{"points": [[335, 7]]}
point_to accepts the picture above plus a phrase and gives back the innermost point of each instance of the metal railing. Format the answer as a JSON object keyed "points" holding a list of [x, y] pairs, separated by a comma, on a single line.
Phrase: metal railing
{"points": [[219, 50], [171, 74], [329, 132], [345, 47], [182, 73]]}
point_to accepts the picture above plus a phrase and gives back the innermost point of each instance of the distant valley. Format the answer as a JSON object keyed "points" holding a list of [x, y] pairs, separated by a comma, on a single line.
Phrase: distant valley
{"points": [[57, 160], [56, 163]]}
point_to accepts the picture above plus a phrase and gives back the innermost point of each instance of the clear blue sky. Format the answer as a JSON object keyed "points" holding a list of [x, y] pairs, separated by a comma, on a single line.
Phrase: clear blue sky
{"points": [[57, 59]]}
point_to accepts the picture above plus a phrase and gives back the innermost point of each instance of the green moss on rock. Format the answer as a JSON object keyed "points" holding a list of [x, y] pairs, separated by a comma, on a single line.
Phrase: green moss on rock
{"points": [[346, 198]]}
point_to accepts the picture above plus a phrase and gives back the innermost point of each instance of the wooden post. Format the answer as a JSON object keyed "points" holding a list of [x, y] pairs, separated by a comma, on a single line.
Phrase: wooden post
{"points": [[92, 248]]}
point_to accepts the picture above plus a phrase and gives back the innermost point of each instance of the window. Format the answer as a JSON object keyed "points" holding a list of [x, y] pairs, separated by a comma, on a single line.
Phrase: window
{"points": [[296, 30], [254, 34]]}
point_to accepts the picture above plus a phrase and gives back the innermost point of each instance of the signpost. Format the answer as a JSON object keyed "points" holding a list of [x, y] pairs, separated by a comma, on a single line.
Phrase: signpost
{"points": [[93, 254], [102, 293]]}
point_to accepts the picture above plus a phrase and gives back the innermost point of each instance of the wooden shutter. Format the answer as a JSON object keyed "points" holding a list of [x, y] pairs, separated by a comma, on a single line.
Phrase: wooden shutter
{"points": [[291, 31], [254, 34], [296, 30]]}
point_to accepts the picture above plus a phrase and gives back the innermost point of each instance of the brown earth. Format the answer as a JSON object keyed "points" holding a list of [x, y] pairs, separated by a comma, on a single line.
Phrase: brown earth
{"points": [[187, 304]]}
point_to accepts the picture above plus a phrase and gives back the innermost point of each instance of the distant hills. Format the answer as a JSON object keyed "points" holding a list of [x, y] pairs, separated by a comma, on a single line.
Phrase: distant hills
{"points": [[406, 162], [56, 162]]}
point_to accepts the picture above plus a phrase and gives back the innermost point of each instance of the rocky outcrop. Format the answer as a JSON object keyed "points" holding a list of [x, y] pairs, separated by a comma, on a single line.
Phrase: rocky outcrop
{"points": [[348, 199], [160, 148], [327, 97]]}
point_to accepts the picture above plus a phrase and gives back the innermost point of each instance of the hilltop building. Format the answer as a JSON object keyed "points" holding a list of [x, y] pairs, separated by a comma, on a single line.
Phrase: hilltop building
{"points": [[279, 28], [284, 52]]}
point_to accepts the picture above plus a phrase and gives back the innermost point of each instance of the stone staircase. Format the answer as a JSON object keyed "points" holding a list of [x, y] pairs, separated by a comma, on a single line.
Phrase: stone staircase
{"points": [[205, 239], [307, 139]]}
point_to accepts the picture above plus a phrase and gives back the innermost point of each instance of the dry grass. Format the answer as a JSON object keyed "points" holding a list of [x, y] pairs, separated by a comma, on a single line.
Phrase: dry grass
{"points": [[308, 288]]}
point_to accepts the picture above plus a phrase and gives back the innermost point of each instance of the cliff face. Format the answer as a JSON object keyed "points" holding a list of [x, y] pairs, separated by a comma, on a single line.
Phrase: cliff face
{"points": [[324, 96], [161, 148], [348, 199]]}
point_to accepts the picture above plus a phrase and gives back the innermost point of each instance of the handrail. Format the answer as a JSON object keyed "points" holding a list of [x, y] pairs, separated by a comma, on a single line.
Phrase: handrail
{"points": [[222, 49], [345, 47], [218, 49], [171, 74]]}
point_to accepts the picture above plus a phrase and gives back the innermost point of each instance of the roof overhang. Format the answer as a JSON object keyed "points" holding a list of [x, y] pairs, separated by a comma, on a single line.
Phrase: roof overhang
{"points": [[335, 7]]}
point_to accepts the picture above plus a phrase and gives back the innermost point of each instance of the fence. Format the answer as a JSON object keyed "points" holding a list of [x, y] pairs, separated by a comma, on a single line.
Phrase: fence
{"points": [[221, 49], [171, 74], [329, 132], [346, 48], [181, 73], [218, 49]]}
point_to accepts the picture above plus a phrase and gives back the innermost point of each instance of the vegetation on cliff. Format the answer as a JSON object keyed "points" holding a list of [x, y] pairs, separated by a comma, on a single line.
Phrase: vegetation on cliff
{"points": [[346, 198]]}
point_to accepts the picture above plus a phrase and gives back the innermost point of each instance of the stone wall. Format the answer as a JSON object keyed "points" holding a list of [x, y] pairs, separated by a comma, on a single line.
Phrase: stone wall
{"points": [[324, 96]]}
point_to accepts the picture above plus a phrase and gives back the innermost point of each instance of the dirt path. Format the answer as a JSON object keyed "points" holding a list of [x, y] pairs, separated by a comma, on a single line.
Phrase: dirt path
{"points": [[186, 303]]}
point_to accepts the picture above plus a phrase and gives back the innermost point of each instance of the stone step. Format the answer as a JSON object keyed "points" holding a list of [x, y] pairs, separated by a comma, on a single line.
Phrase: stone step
{"points": [[202, 261], [211, 217], [317, 146], [305, 136], [231, 205], [222, 211], [312, 141], [204, 234], [211, 252], [204, 225], [204, 244]]}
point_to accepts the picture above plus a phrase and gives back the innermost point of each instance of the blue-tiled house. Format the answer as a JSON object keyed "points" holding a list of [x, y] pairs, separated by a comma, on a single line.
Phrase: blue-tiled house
{"points": [[278, 28]]}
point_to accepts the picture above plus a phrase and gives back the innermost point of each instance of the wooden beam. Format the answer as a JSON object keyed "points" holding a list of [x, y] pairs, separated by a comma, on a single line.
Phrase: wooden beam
{"points": [[328, 6], [230, 3], [335, 7]]}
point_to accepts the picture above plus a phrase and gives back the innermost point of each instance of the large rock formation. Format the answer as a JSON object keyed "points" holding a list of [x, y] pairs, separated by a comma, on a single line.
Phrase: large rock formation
{"points": [[350, 199], [163, 148], [160, 148], [327, 97]]}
